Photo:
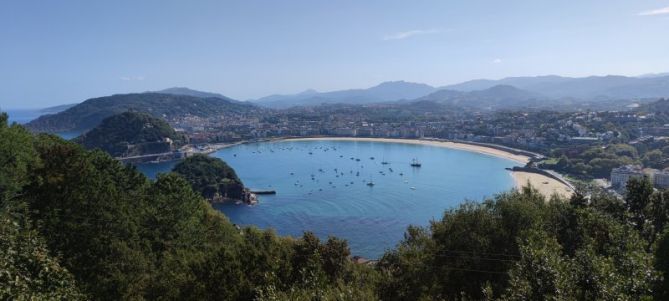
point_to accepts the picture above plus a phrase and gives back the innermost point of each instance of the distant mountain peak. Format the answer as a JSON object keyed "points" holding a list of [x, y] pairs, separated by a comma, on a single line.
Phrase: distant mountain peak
{"points": [[308, 92], [399, 83]]}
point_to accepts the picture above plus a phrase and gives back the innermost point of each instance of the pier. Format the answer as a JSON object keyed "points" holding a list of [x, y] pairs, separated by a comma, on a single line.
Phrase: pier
{"points": [[260, 192]]}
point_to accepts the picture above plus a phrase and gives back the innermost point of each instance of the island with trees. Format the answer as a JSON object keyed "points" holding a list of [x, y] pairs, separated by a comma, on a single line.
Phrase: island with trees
{"points": [[214, 179]]}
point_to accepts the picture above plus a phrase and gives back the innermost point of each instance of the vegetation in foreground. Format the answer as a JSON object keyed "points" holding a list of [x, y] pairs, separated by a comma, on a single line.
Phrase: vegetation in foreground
{"points": [[77, 224]]}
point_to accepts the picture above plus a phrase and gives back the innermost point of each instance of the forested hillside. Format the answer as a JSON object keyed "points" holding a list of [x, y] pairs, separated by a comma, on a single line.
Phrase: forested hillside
{"points": [[130, 134], [90, 113], [77, 225]]}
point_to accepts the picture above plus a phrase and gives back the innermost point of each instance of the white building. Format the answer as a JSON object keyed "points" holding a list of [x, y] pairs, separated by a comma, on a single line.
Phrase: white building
{"points": [[661, 180], [620, 175]]}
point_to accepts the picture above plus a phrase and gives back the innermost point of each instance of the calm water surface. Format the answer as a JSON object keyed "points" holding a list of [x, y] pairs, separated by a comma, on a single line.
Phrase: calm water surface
{"points": [[321, 189]]}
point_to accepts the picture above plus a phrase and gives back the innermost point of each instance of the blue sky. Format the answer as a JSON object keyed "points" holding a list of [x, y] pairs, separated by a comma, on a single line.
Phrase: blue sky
{"points": [[55, 52]]}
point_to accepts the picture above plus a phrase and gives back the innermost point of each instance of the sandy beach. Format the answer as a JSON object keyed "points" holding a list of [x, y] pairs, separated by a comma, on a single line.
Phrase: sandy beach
{"points": [[547, 186], [453, 145]]}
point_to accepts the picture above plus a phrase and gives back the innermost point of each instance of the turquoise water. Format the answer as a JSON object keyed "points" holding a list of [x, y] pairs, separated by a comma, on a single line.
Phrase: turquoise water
{"points": [[336, 200]]}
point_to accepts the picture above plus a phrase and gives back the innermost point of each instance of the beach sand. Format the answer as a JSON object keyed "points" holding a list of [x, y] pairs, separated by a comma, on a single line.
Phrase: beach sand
{"points": [[453, 145], [545, 185], [520, 178]]}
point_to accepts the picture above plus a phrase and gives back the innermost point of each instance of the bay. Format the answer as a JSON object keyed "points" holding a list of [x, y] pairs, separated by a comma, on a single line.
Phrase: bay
{"points": [[322, 187]]}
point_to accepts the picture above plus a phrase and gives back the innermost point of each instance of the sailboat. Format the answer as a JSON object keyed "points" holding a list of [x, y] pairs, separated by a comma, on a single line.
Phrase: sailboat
{"points": [[415, 163]]}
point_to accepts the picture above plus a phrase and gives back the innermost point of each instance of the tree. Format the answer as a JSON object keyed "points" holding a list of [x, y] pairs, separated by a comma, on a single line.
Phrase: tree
{"points": [[654, 158], [27, 269], [637, 198], [335, 254], [541, 273]]}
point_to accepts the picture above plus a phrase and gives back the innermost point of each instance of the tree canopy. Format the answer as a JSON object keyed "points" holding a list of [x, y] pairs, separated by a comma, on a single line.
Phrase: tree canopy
{"points": [[211, 177], [132, 133]]}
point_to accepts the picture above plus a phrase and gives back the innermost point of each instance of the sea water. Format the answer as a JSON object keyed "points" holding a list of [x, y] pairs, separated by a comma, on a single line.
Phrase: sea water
{"points": [[322, 186]]}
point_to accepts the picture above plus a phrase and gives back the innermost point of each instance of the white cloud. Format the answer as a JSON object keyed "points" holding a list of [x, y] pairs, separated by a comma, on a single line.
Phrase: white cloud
{"points": [[655, 12], [497, 61], [131, 78], [408, 34]]}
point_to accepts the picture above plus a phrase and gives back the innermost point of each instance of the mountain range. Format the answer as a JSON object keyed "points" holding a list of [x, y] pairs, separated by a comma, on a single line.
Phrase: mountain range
{"points": [[384, 92], [586, 88], [554, 92], [510, 91]]}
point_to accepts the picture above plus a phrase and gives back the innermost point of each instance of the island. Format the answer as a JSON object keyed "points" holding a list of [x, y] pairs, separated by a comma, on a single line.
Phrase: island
{"points": [[214, 179]]}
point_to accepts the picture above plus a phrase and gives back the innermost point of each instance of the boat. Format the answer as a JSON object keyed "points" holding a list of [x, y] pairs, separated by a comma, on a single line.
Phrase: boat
{"points": [[415, 163], [413, 188], [370, 183]]}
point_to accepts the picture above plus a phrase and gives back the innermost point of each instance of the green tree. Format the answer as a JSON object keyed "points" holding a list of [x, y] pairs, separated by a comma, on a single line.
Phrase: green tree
{"points": [[637, 198], [541, 273]]}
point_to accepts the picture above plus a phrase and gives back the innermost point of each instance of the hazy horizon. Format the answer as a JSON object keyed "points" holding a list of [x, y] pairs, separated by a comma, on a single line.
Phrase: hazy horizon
{"points": [[66, 52]]}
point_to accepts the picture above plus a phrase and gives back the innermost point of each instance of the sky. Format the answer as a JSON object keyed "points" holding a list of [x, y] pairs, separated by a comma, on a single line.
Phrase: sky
{"points": [[58, 52]]}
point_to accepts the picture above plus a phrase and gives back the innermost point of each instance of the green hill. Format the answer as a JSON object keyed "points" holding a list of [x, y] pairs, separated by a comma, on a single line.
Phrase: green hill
{"points": [[211, 177], [132, 134], [91, 112]]}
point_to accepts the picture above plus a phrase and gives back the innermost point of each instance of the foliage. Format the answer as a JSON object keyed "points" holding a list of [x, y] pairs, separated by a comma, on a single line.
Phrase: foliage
{"points": [[211, 177], [27, 269], [131, 134], [120, 236], [519, 246]]}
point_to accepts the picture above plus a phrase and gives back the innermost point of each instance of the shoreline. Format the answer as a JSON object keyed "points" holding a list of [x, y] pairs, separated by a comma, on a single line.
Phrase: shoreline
{"points": [[545, 185], [445, 144]]}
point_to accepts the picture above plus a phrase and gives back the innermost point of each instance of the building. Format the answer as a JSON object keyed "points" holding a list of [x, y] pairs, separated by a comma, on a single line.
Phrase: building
{"points": [[661, 179], [620, 175]]}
